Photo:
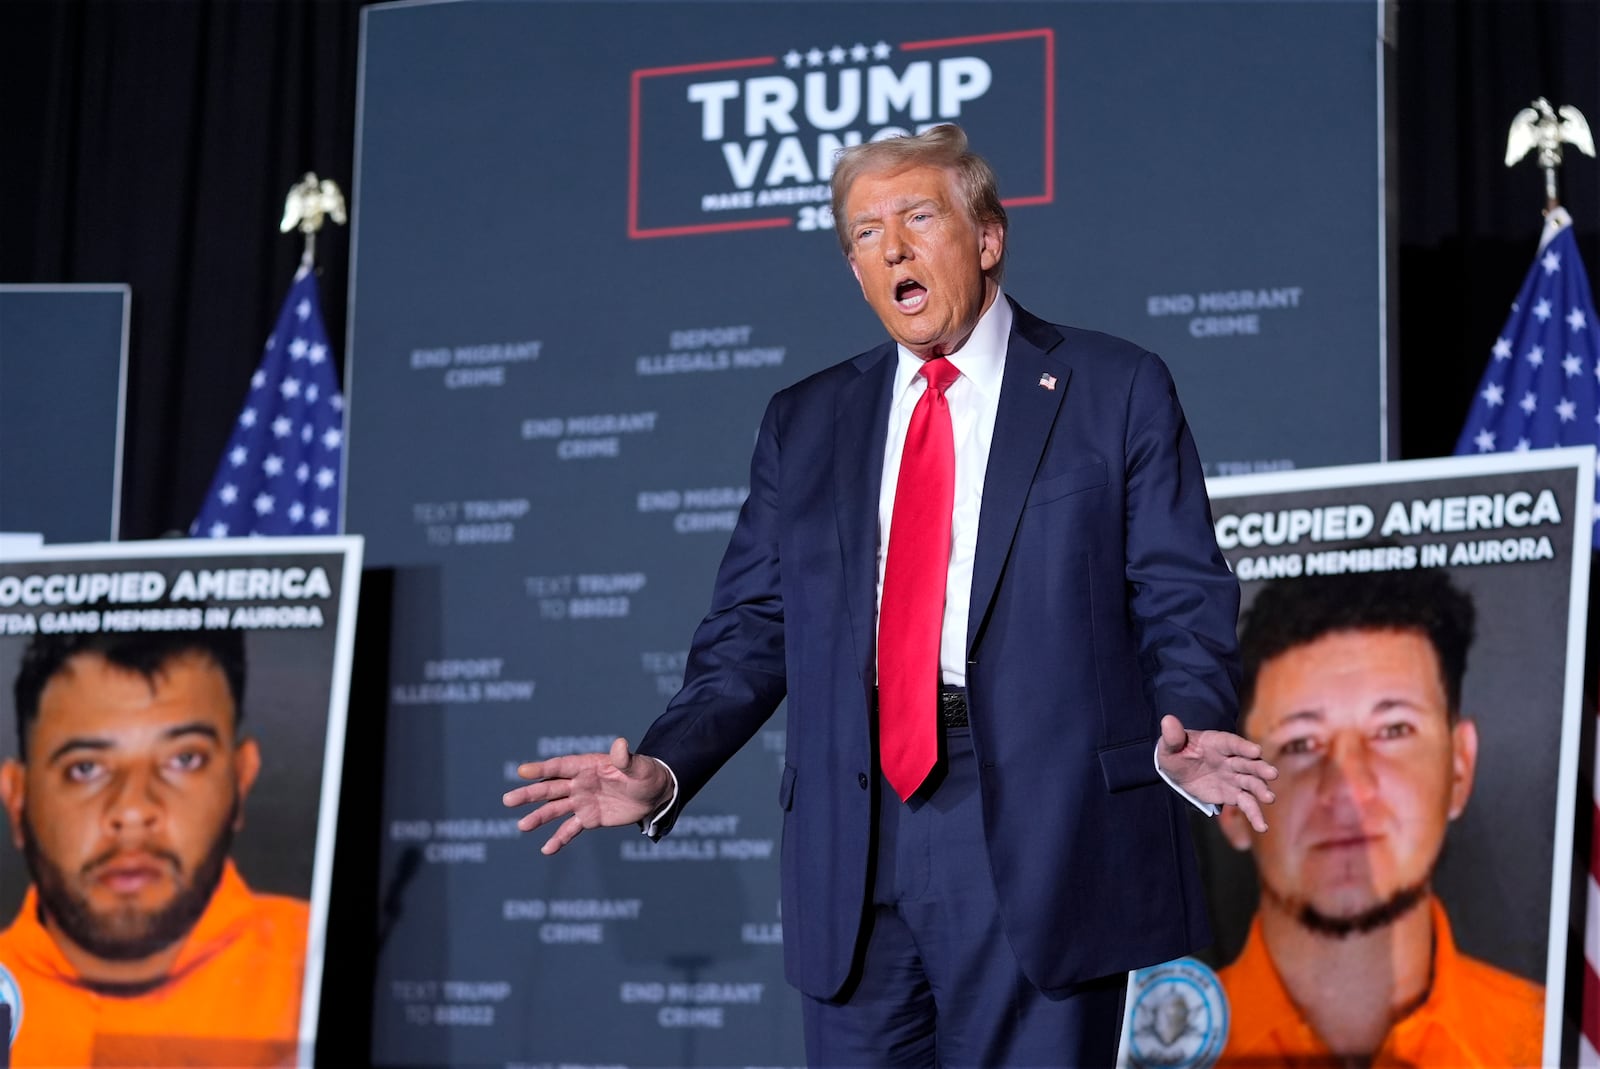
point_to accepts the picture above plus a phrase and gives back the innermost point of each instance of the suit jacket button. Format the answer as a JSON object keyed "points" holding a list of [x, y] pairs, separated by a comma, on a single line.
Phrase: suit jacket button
{"points": [[862, 779]]}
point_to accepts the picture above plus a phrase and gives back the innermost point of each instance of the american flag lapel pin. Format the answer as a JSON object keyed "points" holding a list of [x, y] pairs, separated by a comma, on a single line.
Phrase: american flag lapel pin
{"points": [[1048, 381]]}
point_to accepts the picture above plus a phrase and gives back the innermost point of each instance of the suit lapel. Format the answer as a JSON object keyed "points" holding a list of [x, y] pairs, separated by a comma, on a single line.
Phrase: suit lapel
{"points": [[860, 416], [1027, 412]]}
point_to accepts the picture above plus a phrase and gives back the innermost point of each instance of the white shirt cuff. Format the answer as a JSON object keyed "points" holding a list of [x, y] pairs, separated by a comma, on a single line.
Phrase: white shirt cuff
{"points": [[1208, 808], [648, 825]]}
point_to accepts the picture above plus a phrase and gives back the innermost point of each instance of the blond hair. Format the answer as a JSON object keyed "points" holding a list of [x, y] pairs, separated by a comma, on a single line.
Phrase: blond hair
{"points": [[944, 146]]}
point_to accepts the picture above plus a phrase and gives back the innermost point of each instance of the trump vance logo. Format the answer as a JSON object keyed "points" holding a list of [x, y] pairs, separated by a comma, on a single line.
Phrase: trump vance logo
{"points": [[749, 144]]}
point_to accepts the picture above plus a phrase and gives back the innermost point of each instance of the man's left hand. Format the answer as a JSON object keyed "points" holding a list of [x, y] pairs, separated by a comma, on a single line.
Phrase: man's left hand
{"points": [[1217, 767]]}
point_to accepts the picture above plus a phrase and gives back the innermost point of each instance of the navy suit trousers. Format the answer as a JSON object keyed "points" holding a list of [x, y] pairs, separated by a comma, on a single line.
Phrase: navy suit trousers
{"points": [[938, 983]]}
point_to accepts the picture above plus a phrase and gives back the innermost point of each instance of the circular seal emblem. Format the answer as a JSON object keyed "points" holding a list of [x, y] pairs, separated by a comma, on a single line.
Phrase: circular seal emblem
{"points": [[1177, 1017], [11, 998]]}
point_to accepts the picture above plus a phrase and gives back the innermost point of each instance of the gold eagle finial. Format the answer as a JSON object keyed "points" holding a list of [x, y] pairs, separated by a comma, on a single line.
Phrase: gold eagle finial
{"points": [[1546, 128], [310, 202]]}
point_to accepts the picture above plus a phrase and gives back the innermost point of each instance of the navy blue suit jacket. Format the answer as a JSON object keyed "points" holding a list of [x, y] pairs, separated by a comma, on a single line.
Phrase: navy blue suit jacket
{"points": [[1099, 603]]}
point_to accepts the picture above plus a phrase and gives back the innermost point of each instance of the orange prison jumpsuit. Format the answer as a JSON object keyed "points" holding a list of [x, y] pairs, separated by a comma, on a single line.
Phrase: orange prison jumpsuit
{"points": [[232, 998], [1475, 1015]]}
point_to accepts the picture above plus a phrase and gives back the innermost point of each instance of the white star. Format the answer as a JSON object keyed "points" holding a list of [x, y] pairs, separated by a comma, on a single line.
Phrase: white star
{"points": [[317, 353], [303, 472], [791, 59], [298, 349], [1536, 355], [305, 433], [311, 393], [1484, 441], [1528, 403], [836, 55], [282, 426], [1502, 348], [303, 309], [228, 494], [1576, 319], [1551, 262], [289, 388], [331, 438], [859, 53], [258, 380], [264, 503], [324, 477], [218, 530], [319, 518], [297, 512], [1522, 446], [273, 466], [814, 58], [336, 402], [247, 418], [1567, 411], [1541, 311], [881, 50], [1495, 394], [238, 455], [1572, 365]]}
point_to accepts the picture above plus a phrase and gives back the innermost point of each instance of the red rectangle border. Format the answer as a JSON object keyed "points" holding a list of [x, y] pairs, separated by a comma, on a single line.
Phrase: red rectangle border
{"points": [[1046, 196]]}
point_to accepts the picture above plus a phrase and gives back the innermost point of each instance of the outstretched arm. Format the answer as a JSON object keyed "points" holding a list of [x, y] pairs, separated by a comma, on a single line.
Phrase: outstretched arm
{"points": [[594, 790], [1217, 767]]}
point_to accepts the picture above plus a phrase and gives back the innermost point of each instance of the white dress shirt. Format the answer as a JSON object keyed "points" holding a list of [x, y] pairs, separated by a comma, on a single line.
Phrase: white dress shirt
{"points": [[974, 398]]}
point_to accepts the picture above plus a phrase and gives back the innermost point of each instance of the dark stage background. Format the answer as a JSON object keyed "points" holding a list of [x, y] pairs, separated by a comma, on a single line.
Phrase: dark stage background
{"points": [[151, 142]]}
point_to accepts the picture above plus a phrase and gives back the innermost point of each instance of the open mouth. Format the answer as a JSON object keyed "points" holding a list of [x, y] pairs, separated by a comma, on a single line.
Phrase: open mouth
{"points": [[910, 294]]}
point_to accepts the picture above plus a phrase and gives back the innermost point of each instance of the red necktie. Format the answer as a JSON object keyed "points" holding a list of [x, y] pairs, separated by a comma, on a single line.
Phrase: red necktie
{"points": [[912, 613]]}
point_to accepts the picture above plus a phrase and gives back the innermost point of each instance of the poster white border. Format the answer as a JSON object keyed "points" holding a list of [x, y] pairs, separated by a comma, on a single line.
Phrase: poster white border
{"points": [[1581, 461], [350, 547]]}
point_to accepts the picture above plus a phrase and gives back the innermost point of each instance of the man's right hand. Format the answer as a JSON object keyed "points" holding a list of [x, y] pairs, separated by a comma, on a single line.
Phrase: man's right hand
{"points": [[593, 790]]}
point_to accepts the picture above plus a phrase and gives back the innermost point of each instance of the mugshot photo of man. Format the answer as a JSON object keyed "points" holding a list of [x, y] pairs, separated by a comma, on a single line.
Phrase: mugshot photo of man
{"points": [[1352, 686], [138, 941]]}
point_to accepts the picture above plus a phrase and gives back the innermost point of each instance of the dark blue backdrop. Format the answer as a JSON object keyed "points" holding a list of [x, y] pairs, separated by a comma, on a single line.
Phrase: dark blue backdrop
{"points": [[63, 371], [587, 248]]}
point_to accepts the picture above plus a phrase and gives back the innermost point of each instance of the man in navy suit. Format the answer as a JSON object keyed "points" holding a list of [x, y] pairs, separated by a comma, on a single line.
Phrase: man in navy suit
{"points": [[982, 908]]}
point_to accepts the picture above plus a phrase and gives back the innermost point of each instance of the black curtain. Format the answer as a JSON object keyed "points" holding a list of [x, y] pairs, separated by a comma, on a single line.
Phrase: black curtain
{"points": [[152, 142], [1468, 225]]}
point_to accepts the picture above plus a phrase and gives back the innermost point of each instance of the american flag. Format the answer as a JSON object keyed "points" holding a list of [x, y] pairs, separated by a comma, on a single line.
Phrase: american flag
{"points": [[280, 472], [1542, 386], [1542, 389]]}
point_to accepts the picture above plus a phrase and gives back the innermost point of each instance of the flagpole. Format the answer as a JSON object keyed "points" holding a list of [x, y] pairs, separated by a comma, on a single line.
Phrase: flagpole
{"points": [[1546, 129]]}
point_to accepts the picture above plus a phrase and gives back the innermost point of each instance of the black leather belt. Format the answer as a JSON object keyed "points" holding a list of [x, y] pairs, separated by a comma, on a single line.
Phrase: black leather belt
{"points": [[952, 706]]}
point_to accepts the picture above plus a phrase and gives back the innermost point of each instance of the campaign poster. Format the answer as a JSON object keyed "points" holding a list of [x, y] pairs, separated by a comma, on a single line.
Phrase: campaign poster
{"points": [[1411, 641], [172, 722]]}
